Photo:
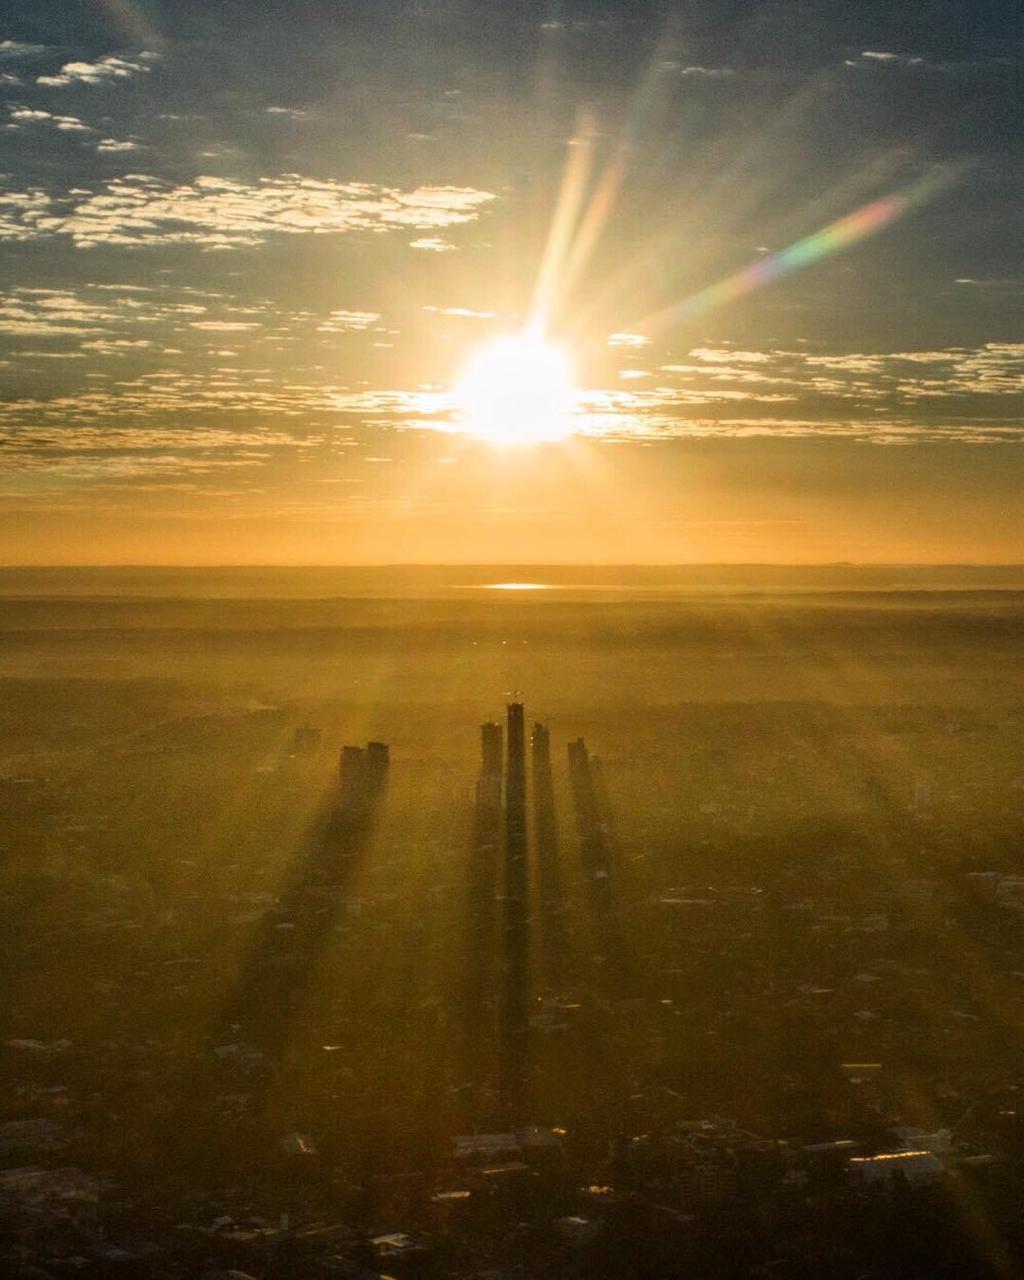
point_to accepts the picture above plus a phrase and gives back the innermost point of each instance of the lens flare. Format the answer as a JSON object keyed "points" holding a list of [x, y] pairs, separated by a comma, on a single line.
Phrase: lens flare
{"points": [[839, 235]]}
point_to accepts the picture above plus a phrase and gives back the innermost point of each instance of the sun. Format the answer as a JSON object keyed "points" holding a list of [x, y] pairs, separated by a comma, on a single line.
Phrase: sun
{"points": [[517, 390]]}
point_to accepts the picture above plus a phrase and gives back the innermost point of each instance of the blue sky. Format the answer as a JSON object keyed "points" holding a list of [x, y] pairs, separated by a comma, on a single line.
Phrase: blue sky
{"points": [[248, 249]]}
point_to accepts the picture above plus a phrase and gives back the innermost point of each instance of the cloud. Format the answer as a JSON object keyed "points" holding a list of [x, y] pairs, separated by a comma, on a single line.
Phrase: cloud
{"points": [[225, 326], [106, 70], [967, 395], [50, 355], [117, 145], [718, 355], [116, 346], [884, 58], [221, 213], [708, 73], [10, 49], [52, 313], [628, 340], [465, 313], [89, 439], [349, 322], [432, 244], [36, 115]]}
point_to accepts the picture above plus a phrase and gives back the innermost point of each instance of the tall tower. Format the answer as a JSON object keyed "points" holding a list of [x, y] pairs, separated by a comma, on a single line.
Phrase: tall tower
{"points": [[540, 748], [491, 753], [579, 758], [489, 783], [363, 773], [515, 774]]}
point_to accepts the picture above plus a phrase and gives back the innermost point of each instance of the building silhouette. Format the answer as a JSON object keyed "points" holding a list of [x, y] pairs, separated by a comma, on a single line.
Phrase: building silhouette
{"points": [[515, 773], [363, 771], [489, 783], [579, 758], [491, 749], [540, 750]]}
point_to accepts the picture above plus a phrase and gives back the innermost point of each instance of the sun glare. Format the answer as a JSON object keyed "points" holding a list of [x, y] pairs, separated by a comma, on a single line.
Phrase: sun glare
{"points": [[518, 390]]}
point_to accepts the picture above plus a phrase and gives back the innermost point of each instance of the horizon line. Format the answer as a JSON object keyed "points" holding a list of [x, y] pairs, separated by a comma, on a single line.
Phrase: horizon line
{"points": [[520, 564]]}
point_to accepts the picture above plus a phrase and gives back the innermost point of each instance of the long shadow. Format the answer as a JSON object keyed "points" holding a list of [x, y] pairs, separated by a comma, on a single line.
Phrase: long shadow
{"points": [[252, 1031], [275, 978], [514, 1004], [478, 993], [550, 896], [620, 978]]}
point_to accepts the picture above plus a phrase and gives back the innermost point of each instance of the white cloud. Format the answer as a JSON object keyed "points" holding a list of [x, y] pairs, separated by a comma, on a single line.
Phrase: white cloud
{"points": [[50, 355], [628, 340], [350, 322], [10, 49], [432, 244], [909, 397], [708, 73], [881, 57], [104, 70], [721, 355], [222, 213], [463, 313], [21, 214], [51, 313], [116, 346], [225, 326], [36, 115], [117, 144]]}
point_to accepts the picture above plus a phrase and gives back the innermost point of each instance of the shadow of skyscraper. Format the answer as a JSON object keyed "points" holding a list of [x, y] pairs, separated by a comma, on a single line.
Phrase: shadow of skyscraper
{"points": [[620, 976], [550, 896], [281, 961], [514, 1003], [256, 1022]]}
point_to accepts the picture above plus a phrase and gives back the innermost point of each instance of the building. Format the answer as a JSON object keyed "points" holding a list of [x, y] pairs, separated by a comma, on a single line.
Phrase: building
{"points": [[363, 772], [491, 750], [579, 757], [540, 749], [515, 772]]}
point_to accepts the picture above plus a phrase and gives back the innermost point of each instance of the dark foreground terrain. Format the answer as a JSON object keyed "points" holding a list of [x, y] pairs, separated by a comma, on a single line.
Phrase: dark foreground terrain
{"points": [[750, 1003]]}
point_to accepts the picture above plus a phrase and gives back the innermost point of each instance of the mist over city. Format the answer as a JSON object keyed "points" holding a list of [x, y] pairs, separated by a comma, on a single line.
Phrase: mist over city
{"points": [[511, 613]]}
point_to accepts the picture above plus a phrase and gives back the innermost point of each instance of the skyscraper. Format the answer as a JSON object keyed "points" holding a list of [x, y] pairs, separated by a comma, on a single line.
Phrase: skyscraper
{"points": [[515, 774], [579, 757], [540, 749], [491, 753], [489, 784], [363, 772]]}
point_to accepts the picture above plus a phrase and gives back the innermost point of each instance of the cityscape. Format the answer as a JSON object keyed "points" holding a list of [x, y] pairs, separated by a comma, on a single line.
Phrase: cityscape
{"points": [[511, 618], [307, 980]]}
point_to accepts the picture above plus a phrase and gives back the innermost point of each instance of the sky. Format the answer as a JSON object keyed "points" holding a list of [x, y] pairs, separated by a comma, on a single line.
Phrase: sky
{"points": [[250, 250]]}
